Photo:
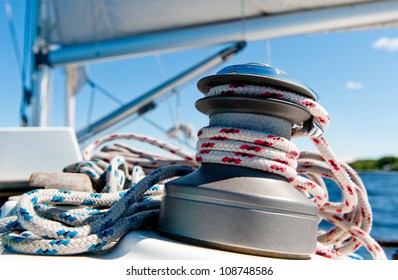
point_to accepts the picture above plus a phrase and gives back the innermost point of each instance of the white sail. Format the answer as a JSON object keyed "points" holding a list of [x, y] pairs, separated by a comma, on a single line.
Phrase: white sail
{"points": [[90, 30], [83, 31]]}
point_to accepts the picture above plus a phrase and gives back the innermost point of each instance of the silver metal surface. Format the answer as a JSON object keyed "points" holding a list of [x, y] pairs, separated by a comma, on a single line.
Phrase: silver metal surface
{"points": [[266, 124], [239, 209], [315, 130], [291, 112], [256, 74]]}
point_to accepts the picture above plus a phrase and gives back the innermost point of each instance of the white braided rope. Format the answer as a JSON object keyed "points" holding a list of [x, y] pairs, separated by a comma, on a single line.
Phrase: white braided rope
{"points": [[63, 222], [319, 113], [352, 217], [55, 232], [247, 148], [130, 136]]}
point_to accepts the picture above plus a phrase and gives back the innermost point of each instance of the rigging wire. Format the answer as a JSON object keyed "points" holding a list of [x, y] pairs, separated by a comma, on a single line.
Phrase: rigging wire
{"points": [[175, 114], [178, 107], [160, 67], [243, 19], [162, 76], [27, 93], [175, 117], [14, 39], [155, 125], [91, 105], [104, 92], [268, 52], [21, 60], [97, 88], [92, 84], [121, 125], [126, 123]]}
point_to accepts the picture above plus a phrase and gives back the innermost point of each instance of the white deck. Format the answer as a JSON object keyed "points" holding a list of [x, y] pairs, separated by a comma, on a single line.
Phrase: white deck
{"points": [[148, 245]]}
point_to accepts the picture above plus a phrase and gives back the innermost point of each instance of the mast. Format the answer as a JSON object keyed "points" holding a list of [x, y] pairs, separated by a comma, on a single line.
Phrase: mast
{"points": [[40, 72]]}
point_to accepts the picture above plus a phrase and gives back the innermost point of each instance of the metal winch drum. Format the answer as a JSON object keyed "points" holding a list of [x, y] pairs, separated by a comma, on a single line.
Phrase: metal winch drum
{"points": [[238, 208]]}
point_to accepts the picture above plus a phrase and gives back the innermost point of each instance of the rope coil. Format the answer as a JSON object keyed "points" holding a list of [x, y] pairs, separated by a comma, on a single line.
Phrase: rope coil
{"points": [[128, 199], [46, 224]]}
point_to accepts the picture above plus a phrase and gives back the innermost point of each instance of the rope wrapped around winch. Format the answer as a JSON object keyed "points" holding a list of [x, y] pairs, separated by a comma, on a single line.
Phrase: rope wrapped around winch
{"points": [[129, 200]]}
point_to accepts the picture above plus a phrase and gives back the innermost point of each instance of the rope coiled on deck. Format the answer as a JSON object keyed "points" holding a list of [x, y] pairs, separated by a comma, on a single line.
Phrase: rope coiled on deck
{"points": [[64, 222]]}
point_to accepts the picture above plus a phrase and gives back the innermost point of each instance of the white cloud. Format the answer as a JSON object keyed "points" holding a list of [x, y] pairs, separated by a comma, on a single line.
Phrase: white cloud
{"points": [[354, 85], [385, 43]]}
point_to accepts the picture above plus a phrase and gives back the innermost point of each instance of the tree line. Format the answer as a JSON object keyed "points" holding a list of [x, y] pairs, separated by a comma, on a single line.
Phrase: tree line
{"points": [[388, 163]]}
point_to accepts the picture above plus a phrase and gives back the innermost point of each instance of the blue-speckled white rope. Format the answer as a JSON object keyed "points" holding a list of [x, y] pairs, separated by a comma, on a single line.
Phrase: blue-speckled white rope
{"points": [[64, 222], [62, 235]]}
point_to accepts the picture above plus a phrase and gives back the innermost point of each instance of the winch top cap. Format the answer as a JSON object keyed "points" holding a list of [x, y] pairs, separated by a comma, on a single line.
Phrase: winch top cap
{"points": [[256, 74]]}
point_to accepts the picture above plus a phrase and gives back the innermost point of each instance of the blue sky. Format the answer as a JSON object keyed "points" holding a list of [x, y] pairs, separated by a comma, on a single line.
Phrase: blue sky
{"points": [[354, 73]]}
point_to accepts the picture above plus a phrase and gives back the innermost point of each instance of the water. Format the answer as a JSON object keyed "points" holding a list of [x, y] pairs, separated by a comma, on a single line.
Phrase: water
{"points": [[382, 189]]}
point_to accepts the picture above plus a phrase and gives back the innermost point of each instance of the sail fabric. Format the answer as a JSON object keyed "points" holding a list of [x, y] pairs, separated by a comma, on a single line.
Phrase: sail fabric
{"points": [[74, 22]]}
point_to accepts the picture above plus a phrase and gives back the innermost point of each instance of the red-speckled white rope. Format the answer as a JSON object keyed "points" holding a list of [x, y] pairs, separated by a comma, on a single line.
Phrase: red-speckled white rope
{"points": [[318, 112], [133, 157], [254, 149]]}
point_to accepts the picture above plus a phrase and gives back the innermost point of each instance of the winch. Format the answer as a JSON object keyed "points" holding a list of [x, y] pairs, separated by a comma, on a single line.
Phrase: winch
{"points": [[239, 207]]}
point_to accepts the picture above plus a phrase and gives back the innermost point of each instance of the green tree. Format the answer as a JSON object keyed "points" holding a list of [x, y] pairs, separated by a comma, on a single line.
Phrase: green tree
{"points": [[394, 166], [367, 164], [386, 161]]}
